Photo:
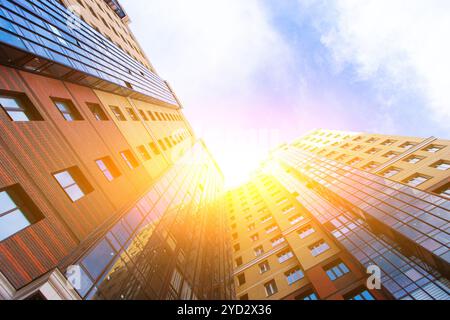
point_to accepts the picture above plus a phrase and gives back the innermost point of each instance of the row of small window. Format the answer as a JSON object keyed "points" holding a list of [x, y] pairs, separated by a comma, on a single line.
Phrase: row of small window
{"points": [[270, 229], [19, 108], [360, 293], [253, 194], [17, 211], [303, 233], [442, 165], [316, 248], [258, 202], [287, 209], [433, 148], [390, 155], [293, 220], [334, 271], [292, 276]]}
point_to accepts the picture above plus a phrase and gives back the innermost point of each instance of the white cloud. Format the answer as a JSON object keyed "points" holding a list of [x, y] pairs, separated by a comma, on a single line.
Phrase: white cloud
{"points": [[401, 44], [205, 45], [214, 54]]}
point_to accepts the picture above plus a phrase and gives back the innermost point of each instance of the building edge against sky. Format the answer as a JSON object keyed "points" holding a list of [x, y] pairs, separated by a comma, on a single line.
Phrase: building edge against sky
{"points": [[104, 183], [324, 208], [101, 174]]}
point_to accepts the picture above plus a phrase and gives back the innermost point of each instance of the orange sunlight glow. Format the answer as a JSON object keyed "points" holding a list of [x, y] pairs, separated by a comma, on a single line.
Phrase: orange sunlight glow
{"points": [[240, 151]]}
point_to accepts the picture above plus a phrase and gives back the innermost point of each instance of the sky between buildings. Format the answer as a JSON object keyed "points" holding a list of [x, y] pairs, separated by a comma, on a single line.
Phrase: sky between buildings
{"points": [[253, 74]]}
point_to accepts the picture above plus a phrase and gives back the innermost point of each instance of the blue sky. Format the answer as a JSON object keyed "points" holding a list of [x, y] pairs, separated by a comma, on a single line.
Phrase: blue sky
{"points": [[252, 74]]}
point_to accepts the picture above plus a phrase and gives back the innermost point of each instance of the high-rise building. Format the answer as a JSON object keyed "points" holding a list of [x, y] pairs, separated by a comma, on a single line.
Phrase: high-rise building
{"points": [[105, 192], [326, 217], [418, 162]]}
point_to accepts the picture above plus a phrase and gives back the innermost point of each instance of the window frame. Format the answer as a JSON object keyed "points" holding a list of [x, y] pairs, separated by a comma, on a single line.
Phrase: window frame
{"points": [[25, 206], [25, 106], [129, 161], [79, 180], [110, 168], [71, 112], [94, 107]]}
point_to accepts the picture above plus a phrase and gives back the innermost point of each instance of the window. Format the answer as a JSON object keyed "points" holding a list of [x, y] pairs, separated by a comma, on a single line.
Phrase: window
{"points": [[319, 248], [282, 201], [74, 183], [67, 109], [144, 153], [129, 159], [17, 211], [18, 107], [266, 218], [235, 236], [97, 111], [176, 280], [390, 172], [294, 275], [371, 165], [167, 140], [296, 219], [441, 165], [354, 161], [118, 113], [288, 209], [407, 145], [271, 228], [372, 151], [154, 148], [152, 116], [388, 142], [444, 191], [109, 169], [433, 148], [416, 180], [241, 279], [336, 270], [305, 232], [391, 154], [251, 227], [161, 143], [264, 267], [271, 288], [277, 240], [414, 159], [132, 114], [359, 294], [254, 237], [143, 115], [284, 256], [372, 140], [308, 295], [357, 148], [258, 251], [238, 261]]}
